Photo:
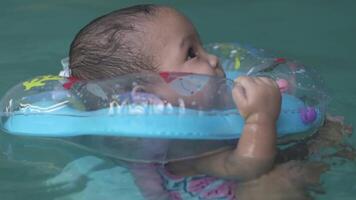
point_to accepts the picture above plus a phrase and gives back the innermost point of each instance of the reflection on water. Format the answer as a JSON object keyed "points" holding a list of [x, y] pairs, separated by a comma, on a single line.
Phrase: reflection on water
{"points": [[53, 169]]}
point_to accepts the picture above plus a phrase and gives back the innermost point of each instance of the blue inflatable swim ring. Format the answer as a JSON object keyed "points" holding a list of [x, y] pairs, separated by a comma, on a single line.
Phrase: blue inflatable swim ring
{"points": [[45, 106]]}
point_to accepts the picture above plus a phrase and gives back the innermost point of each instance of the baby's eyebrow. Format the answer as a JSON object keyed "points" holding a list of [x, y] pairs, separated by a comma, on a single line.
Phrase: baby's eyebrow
{"points": [[190, 37]]}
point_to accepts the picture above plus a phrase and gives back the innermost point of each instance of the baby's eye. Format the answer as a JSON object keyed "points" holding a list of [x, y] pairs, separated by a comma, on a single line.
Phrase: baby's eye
{"points": [[191, 53]]}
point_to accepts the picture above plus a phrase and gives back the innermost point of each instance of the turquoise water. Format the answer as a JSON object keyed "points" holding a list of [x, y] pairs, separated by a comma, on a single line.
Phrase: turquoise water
{"points": [[35, 35]]}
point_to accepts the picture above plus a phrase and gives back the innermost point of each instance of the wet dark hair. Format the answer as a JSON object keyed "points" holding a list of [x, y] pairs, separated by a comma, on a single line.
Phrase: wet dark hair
{"points": [[109, 46]]}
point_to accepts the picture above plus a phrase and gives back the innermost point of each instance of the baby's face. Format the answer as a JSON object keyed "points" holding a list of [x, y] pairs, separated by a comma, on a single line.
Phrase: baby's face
{"points": [[176, 46]]}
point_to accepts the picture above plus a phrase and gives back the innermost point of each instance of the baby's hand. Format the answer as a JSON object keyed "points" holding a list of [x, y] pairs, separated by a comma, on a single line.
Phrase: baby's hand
{"points": [[257, 98]]}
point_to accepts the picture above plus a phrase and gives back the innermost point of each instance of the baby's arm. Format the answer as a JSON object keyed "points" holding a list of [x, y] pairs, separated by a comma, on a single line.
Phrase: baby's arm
{"points": [[258, 100]]}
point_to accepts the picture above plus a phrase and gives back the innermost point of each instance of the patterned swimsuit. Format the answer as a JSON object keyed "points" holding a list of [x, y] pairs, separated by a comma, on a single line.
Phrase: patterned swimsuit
{"points": [[197, 187]]}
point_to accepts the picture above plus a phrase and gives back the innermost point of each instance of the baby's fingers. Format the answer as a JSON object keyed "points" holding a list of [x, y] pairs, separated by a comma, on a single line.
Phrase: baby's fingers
{"points": [[239, 93], [266, 81]]}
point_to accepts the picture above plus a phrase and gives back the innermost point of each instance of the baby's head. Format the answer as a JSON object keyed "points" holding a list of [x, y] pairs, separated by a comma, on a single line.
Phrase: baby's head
{"points": [[138, 39]]}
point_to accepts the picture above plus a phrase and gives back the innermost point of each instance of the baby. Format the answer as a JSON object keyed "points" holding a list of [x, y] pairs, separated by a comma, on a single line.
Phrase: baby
{"points": [[150, 38]]}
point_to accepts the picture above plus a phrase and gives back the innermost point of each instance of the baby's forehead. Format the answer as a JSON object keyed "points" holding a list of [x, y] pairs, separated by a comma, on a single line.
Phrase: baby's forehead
{"points": [[168, 24], [172, 17]]}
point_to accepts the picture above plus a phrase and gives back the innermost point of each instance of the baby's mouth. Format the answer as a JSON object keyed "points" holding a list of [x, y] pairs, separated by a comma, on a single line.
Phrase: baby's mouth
{"points": [[220, 73]]}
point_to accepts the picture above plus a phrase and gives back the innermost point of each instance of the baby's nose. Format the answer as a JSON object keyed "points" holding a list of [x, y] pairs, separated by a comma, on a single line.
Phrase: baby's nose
{"points": [[213, 60]]}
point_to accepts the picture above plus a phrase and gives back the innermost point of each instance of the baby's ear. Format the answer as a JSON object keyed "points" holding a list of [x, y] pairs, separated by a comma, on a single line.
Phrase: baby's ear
{"points": [[138, 89], [140, 96]]}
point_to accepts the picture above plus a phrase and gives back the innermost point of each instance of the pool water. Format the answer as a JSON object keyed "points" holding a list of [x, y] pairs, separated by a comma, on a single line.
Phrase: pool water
{"points": [[35, 35]]}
